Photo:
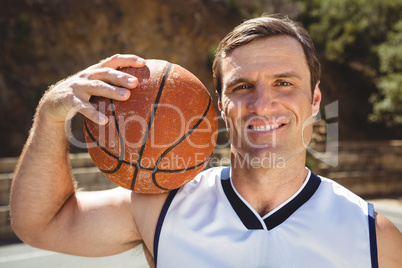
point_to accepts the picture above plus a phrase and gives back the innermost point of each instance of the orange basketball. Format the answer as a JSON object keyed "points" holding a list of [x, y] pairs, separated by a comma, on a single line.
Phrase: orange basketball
{"points": [[161, 137]]}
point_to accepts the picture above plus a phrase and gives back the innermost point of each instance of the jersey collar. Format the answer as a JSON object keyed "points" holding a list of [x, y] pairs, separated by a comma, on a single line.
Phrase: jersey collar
{"points": [[249, 216]]}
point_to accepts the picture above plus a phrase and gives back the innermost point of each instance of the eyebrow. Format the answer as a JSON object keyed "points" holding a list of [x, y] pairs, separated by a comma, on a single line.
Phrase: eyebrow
{"points": [[240, 80], [287, 74], [236, 81]]}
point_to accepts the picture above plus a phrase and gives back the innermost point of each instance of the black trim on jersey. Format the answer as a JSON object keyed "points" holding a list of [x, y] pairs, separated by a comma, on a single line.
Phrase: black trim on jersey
{"points": [[245, 214], [162, 215], [287, 210], [250, 220], [372, 235]]}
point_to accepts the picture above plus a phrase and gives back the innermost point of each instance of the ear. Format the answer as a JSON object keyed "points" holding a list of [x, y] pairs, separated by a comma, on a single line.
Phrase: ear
{"points": [[316, 100], [220, 105], [221, 110]]}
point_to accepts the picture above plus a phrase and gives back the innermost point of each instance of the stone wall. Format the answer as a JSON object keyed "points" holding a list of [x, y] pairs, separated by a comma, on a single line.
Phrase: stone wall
{"points": [[368, 168]]}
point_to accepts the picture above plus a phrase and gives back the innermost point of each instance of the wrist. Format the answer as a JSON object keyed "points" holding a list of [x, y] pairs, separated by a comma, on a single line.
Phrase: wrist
{"points": [[47, 127]]}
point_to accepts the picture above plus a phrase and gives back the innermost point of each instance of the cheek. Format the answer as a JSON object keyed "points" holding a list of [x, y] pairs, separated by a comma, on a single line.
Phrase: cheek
{"points": [[232, 109], [230, 112], [300, 104]]}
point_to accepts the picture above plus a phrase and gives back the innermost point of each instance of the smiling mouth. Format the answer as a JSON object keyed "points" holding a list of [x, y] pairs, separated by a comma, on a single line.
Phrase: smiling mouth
{"points": [[263, 128]]}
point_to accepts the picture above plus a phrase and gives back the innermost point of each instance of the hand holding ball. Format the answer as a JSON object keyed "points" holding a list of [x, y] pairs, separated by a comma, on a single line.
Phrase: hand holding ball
{"points": [[161, 137]]}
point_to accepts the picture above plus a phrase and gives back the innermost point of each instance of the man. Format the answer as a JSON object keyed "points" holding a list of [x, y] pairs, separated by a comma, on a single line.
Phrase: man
{"points": [[253, 214]]}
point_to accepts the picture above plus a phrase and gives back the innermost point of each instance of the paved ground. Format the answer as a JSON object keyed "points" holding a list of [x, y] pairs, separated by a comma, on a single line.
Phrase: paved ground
{"points": [[21, 255], [24, 256]]}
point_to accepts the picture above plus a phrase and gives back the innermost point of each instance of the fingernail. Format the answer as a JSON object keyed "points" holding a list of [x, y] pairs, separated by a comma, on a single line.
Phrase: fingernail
{"points": [[102, 119], [130, 81], [123, 93], [140, 60]]}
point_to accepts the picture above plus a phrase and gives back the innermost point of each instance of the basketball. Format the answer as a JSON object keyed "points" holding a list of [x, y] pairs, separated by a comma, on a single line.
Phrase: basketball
{"points": [[161, 137]]}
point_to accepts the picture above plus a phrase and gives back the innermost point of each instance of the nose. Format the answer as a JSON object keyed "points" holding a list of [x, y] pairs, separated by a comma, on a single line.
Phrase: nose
{"points": [[262, 100]]}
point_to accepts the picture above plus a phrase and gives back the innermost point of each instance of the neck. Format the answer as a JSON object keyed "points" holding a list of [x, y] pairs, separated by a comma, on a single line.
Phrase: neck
{"points": [[266, 187]]}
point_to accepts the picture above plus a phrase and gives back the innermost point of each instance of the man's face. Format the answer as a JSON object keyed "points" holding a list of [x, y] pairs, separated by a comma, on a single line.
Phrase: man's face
{"points": [[267, 100]]}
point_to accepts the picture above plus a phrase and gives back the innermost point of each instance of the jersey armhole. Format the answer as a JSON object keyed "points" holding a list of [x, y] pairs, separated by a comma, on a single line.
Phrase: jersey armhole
{"points": [[372, 235], [159, 224]]}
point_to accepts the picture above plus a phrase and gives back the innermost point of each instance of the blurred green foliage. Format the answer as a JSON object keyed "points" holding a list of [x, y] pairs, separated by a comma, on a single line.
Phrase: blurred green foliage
{"points": [[388, 101], [367, 36]]}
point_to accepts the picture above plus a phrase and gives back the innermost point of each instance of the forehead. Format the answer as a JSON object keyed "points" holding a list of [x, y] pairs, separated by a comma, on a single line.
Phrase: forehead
{"points": [[272, 55]]}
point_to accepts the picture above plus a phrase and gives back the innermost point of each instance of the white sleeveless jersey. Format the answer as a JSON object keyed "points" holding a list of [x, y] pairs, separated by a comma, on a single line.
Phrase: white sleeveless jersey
{"points": [[206, 223]]}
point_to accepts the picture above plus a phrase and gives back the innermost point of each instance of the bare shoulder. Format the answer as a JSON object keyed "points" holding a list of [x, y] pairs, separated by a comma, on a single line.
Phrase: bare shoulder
{"points": [[146, 209], [389, 242]]}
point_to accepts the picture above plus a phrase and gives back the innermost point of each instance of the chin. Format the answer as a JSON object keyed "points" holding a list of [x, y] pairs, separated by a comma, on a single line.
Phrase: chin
{"points": [[259, 158]]}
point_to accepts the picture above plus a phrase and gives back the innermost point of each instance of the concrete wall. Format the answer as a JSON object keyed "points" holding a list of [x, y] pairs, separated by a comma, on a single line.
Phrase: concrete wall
{"points": [[368, 168]]}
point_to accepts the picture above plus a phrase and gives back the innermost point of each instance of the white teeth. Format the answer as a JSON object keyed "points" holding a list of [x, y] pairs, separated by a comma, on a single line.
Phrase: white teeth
{"points": [[265, 128]]}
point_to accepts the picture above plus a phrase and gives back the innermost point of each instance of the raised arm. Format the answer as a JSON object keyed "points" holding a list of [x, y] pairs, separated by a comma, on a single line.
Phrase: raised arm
{"points": [[46, 210]]}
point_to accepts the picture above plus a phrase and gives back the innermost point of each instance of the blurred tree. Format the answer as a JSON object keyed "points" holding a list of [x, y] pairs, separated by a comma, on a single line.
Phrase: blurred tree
{"points": [[366, 35], [388, 101], [254, 8]]}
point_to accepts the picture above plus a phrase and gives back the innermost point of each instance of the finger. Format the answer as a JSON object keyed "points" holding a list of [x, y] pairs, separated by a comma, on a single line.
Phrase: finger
{"points": [[87, 110], [102, 89], [122, 60], [114, 77], [82, 90]]}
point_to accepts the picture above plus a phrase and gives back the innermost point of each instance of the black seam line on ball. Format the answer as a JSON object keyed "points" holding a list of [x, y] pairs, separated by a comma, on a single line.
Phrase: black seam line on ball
{"points": [[184, 169], [103, 149], [150, 121], [177, 143], [175, 171], [116, 123], [182, 138]]}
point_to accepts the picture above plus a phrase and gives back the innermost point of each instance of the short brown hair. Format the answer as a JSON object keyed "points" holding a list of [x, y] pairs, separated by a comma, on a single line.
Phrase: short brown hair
{"points": [[263, 27]]}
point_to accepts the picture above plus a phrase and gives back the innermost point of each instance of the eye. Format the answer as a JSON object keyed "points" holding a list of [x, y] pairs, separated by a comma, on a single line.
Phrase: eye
{"points": [[241, 87], [284, 84]]}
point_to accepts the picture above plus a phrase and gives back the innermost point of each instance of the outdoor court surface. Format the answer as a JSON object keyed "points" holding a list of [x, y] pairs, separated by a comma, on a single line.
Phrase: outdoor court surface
{"points": [[20, 255]]}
